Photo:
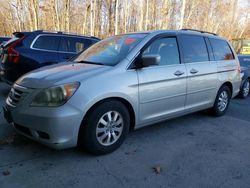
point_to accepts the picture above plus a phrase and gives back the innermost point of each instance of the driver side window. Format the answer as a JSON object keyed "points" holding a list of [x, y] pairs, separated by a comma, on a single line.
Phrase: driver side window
{"points": [[166, 48]]}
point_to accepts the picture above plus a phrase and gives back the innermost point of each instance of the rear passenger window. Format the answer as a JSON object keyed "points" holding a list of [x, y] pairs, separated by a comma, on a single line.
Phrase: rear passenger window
{"points": [[74, 44], [194, 49], [221, 50], [47, 42], [166, 48]]}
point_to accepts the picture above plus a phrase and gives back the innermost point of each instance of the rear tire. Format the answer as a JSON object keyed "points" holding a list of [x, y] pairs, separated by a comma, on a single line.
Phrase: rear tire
{"points": [[222, 101], [244, 92], [105, 128]]}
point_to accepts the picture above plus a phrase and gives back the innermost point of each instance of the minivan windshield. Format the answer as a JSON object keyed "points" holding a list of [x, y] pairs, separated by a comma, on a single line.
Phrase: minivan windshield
{"points": [[110, 51]]}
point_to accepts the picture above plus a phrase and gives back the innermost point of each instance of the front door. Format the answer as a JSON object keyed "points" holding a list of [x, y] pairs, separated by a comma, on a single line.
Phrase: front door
{"points": [[162, 88]]}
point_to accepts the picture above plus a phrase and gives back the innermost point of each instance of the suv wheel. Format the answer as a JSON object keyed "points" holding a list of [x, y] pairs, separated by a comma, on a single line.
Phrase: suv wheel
{"points": [[105, 128], [245, 89], [222, 101]]}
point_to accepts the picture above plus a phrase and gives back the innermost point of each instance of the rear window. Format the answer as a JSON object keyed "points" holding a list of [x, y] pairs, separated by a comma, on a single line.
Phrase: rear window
{"points": [[194, 48], [221, 50], [6, 44], [4, 39], [46, 42], [74, 44]]}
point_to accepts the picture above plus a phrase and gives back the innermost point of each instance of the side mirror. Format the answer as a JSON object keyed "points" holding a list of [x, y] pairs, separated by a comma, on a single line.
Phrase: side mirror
{"points": [[148, 60]]}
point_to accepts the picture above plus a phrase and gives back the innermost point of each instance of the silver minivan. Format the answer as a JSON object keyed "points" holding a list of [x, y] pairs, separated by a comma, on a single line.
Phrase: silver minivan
{"points": [[121, 83]]}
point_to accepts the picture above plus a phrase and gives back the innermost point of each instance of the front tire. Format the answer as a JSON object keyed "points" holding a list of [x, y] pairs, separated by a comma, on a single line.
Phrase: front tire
{"points": [[222, 101], [105, 128]]}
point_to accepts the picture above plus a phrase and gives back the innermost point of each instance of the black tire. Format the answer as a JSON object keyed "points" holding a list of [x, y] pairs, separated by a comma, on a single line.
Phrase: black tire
{"points": [[216, 110], [88, 132], [243, 93]]}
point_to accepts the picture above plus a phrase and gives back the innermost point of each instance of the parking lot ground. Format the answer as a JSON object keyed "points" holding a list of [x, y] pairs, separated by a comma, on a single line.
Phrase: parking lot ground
{"points": [[196, 150]]}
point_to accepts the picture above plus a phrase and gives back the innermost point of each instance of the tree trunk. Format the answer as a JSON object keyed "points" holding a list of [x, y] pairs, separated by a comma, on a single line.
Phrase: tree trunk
{"points": [[183, 7], [116, 16], [67, 15], [147, 7], [92, 17], [35, 8]]}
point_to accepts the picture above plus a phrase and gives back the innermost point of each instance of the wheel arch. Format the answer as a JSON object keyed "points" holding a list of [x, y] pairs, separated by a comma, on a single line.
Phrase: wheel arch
{"points": [[125, 102], [229, 85]]}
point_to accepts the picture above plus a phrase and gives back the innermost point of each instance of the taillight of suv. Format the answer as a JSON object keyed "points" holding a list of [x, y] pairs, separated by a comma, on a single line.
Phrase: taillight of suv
{"points": [[13, 54]]}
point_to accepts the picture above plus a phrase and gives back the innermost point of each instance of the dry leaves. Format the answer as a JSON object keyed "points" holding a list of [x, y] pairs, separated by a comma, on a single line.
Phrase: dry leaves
{"points": [[8, 140], [6, 173], [157, 169]]}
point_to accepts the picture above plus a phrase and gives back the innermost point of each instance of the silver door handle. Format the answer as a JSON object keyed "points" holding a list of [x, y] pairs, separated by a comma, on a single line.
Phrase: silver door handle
{"points": [[178, 73], [193, 71]]}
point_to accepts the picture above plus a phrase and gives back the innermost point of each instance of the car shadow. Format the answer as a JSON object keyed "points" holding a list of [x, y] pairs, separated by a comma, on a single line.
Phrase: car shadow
{"points": [[5, 89]]}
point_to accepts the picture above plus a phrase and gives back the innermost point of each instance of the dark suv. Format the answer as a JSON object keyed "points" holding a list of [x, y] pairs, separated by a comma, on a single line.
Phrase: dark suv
{"points": [[27, 51]]}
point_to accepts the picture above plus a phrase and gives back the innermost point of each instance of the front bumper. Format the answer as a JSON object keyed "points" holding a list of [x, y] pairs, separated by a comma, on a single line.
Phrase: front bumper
{"points": [[55, 127]]}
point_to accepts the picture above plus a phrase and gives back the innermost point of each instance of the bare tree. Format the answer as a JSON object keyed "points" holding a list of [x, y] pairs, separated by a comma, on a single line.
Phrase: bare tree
{"points": [[116, 16], [103, 18], [147, 9], [183, 8]]}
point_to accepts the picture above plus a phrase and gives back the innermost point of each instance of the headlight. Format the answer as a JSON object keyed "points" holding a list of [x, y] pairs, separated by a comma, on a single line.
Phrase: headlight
{"points": [[55, 96]]}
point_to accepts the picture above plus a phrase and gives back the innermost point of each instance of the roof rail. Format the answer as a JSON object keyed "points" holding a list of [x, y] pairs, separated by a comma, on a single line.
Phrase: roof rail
{"points": [[41, 30], [66, 33], [71, 33], [199, 31], [94, 37]]}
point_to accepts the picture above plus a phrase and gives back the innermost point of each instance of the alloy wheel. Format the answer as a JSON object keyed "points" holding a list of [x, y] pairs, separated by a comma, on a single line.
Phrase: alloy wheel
{"points": [[109, 128], [223, 101], [246, 88]]}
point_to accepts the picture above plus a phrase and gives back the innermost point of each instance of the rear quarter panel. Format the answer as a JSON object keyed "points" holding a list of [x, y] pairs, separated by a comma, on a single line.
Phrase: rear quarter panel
{"points": [[228, 71]]}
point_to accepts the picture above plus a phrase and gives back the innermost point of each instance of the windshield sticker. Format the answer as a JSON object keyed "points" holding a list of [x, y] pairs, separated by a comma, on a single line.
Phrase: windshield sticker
{"points": [[129, 41]]}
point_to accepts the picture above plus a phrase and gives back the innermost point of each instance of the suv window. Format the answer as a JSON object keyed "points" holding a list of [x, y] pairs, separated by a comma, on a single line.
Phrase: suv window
{"points": [[244, 61], [194, 49], [221, 50], [47, 42], [167, 48], [74, 44]]}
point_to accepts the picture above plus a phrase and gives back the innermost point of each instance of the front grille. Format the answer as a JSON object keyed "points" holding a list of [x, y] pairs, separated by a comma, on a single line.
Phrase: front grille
{"points": [[17, 94]]}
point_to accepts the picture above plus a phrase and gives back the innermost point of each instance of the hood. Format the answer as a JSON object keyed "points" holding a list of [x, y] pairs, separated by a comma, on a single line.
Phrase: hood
{"points": [[60, 73]]}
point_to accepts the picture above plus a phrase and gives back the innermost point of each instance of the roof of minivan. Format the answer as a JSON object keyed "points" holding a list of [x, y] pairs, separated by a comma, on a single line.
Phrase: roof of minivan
{"points": [[191, 32]]}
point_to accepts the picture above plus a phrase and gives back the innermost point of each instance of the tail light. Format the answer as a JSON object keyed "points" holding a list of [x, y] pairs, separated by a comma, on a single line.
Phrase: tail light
{"points": [[13, 54]]}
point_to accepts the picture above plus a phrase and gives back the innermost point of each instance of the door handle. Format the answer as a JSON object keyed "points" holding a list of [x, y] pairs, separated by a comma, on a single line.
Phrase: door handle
{"points": [[193, 71], [178, 73]]}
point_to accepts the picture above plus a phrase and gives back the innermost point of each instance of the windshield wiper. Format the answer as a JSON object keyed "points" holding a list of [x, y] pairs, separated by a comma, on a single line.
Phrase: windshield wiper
{"points": [[88, 62]]}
